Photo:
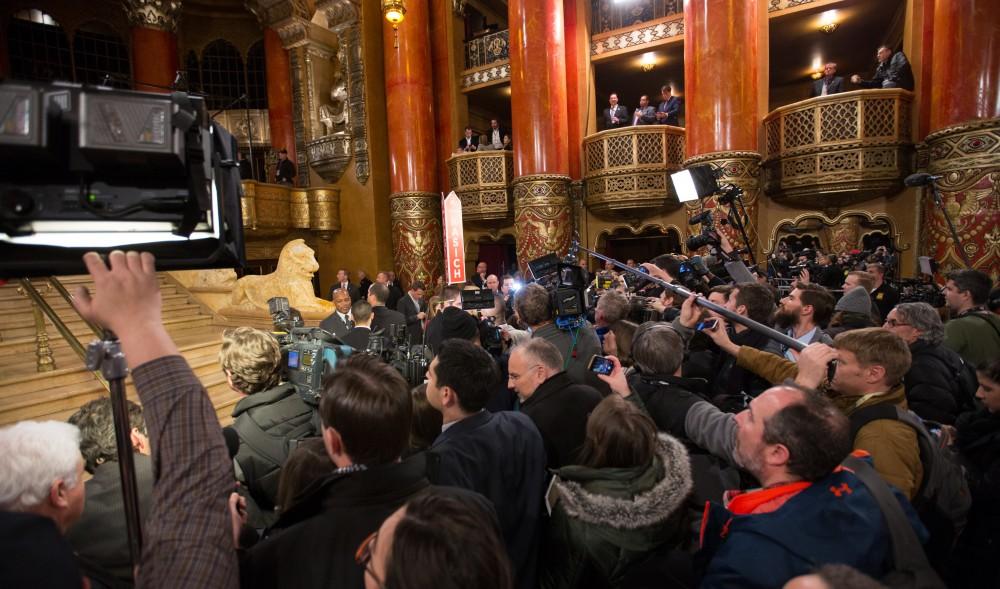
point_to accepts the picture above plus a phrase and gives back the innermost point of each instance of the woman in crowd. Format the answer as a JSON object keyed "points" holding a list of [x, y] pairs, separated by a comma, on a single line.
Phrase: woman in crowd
{"points": [[622, 503]]}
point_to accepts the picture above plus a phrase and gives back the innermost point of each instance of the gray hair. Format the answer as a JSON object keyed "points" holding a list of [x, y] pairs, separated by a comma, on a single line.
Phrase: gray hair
{"points": [[657, 348], [543, 352], [925, 319], [33, 455]]}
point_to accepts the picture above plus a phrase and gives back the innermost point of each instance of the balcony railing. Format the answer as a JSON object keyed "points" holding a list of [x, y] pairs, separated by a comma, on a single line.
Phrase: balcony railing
{"points": [[487, 49], [482, 180], [274, 210], [837, 150], [626, 170]]}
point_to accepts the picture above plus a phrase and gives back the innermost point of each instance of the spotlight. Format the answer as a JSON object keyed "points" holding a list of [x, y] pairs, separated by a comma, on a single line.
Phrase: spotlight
{"points": [[695, 182]]}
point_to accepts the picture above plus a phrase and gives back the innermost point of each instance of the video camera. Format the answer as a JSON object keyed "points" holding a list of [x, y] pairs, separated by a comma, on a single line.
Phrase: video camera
{"points": [[95, 169], [916, 290], [284, 318], [709, 236], [395, 349], [566, 286], [308, 354]]}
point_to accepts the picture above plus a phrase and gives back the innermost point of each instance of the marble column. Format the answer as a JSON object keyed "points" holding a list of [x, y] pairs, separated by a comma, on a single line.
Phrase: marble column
{"points": [[721, 42], [543, 219], [155, 59], [964, 146], [414, 199], [450, 106], [279, 93]]}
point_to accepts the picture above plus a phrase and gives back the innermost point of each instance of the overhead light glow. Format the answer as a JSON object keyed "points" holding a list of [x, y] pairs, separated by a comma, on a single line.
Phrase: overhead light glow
{"points": [[648, 61]]}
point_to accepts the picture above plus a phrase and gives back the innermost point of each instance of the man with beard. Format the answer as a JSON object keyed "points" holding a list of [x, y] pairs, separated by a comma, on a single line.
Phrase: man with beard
{"points": [[801, 315]]}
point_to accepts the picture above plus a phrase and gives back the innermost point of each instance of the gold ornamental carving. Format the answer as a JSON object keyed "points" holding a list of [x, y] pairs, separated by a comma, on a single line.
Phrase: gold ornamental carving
{"points": [[833, 151], [274, 210], [543, 216], [482, 181], [866, 220], [162, 15], [417, 235], [739, 168], [627, 170], [967, 157]]}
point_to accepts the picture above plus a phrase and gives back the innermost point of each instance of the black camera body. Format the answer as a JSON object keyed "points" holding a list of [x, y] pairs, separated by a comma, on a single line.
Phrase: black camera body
{"points": [[914, 290], [567, 289], [311, 355]]}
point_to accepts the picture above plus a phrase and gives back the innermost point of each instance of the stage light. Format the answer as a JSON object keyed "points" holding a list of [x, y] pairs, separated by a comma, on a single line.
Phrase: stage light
{"points": [[695, 182]]}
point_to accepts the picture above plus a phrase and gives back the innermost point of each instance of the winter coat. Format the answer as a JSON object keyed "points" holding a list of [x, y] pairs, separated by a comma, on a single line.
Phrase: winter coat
{"points": [[560, 409], [892, 444], [978, 441], [933, 385], [606, 520]]}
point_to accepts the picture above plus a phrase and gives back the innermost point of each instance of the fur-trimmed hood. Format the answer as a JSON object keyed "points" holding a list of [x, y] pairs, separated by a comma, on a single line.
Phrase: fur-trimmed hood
{"points": [[608, 496]]}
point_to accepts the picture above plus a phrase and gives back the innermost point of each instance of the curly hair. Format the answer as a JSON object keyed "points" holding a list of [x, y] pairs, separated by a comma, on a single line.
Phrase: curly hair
{"points": [[252, 358], [97, 430]]}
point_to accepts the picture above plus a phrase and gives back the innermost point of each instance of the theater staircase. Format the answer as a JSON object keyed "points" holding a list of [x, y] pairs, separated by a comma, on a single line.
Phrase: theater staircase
{"points": [[42, 372]]}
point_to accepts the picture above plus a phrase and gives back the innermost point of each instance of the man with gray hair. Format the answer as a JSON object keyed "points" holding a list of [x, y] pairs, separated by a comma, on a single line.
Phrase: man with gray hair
{"points": [[557, 405], [41, 496], [939, 384]]}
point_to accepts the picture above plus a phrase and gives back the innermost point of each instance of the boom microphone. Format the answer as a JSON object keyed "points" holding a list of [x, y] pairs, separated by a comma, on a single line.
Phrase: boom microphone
{"points": [[920, 179]]}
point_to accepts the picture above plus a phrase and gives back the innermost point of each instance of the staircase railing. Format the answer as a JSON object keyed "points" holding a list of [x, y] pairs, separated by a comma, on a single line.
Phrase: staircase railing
{"points": [[58, 285]]}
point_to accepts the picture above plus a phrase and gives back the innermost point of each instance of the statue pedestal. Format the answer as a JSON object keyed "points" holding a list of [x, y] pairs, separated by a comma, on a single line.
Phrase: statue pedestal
{"points": [[261, 319]]}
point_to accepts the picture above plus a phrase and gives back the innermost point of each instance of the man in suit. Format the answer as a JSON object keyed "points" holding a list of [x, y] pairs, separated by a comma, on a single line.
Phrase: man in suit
{"points": [[893, 71], [645, 114], [343, 283], [339, 322], [495, 136], [829, 83], [285, 171], [499, 455], [357, 337], [615, 115], [387, 278], [363, 284], [479, 278], [414, 309], [469, 142], [383, 318], [667, 111]]}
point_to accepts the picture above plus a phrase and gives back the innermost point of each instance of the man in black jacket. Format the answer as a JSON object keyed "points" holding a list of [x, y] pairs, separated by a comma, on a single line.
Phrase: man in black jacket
{"points": [[893, 71], [366, 411], [383, 317], [414, 308], [558, 406], [500, 455]]}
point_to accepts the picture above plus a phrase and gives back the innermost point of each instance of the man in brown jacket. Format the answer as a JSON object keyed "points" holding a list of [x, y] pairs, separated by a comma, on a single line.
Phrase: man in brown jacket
{"points": [[870, 367]]}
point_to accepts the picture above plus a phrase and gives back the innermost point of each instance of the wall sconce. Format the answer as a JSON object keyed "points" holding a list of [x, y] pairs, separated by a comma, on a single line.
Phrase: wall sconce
{"points": [[828, 21], [816, 75], [648, 61], [394, 11]]}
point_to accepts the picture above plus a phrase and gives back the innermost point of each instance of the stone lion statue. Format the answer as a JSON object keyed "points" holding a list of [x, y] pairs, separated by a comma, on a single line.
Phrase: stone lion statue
{"points": [[293, 279]]}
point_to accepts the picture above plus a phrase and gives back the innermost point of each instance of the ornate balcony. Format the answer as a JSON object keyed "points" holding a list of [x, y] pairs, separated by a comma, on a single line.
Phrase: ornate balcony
{"points": [[626, 171], [275, 210], [482, 180], [832, 151]]}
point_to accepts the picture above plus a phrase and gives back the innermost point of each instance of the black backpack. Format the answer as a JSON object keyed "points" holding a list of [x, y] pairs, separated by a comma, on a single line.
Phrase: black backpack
{"points": [[943, 499]]}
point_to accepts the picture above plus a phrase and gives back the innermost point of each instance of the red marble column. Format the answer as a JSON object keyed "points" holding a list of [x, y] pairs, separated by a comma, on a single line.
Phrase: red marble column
{"points": [[721, 43], [279, 93], [574, 55], [444, 52], [542, 215], [154, 59], [966, 68], [414, 200], [964, 145]]}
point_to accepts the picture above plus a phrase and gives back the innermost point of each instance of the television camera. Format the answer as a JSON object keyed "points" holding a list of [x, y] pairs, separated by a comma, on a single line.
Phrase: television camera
{"points": [[308, 354], [394, 348], [567, 288]]}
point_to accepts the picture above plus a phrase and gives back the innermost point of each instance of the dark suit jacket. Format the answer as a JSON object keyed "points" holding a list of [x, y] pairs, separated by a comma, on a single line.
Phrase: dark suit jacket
{"points": [[835, 86], [489, 135], [363, 288], [647, 116], [479, 281], [357, 338], [335, 325], [383, 317], [621, 112], [560, 408], [395, 293], [671, 106], [351, 290], [501, 456], [895, 71], [463, 143], [414, 326]]}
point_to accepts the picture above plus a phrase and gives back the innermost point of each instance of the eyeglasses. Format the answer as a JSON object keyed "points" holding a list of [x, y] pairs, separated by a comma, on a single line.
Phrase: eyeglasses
{"points": [[894, 323], [512, 376], [363, 556]]}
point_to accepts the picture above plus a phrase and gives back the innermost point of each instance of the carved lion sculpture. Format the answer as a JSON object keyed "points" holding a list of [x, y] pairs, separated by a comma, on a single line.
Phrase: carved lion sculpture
{"points": [[293, 279]]}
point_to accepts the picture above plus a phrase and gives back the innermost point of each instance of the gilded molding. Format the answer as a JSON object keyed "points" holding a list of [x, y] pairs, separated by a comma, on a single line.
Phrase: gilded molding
{"points": [[235, 121], [272, 210], [622, 40], [637, 229], [871, 218], [330, 155], [162, 15], [271, 12], [417, 235], [967, 156], [487, 75], [779, 5], [482, 180], [543, 216]]}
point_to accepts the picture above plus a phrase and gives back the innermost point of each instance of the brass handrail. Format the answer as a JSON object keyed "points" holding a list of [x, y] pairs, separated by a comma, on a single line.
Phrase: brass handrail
{"points": [[58, 285], [74, 343]]}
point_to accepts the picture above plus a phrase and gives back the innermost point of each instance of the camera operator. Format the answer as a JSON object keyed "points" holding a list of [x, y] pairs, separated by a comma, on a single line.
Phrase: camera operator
{"points": [[267, 419], [533, 305]]}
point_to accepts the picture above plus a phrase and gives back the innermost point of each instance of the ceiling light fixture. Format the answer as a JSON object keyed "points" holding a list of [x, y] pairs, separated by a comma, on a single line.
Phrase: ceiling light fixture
{"points": [[648, 61], [828, 21], [394, 12]]}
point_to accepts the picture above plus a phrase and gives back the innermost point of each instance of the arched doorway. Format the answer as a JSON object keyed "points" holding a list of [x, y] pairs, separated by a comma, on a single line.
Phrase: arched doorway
{"points": [[624, 243]]}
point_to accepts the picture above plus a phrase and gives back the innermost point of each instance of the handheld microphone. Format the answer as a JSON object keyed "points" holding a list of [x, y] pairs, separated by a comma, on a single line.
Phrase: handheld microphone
{"points": [[920, 179]]}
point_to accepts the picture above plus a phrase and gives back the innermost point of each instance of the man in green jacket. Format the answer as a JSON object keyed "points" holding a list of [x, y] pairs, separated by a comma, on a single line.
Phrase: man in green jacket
{"points": [[870, 367], [973, 331]]}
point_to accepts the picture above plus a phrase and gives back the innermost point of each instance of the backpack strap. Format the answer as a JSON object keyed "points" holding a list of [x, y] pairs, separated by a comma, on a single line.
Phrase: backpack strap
{"points": [[925, 444], [907, 552]]}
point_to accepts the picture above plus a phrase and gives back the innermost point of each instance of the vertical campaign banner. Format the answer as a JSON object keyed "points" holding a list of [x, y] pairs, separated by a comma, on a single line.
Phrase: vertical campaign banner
{"points": [[454, 239]]}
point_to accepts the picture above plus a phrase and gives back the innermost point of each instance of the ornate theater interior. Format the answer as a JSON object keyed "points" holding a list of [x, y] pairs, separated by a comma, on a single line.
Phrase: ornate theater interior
{"points": [[370, 99]]}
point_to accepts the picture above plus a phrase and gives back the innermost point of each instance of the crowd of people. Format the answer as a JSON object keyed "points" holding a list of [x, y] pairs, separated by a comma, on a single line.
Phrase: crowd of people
{"points": [[650, 441]]}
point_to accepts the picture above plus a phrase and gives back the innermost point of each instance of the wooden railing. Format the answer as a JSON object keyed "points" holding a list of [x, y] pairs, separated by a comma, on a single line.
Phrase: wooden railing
{"points": [[627, 170], [839, 149], [482, 180]]}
